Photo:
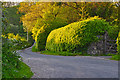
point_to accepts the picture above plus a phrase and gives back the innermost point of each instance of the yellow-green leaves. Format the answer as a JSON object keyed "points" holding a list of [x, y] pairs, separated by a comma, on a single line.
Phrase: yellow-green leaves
{"points": [[118, 43], [11, 36], [41, 33], [76, 35]]}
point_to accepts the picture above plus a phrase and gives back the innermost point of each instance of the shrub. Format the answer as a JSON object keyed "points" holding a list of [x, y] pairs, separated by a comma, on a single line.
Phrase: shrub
{"points": [[118, 43], [44, 31], [13, 37], [17, 37], [18, 42], [41, 37], [12, 67], [76, 35], [113, 32]]}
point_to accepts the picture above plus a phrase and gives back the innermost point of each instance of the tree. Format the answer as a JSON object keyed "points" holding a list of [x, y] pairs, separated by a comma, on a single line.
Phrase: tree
{"points": [[45, 12], [83, 11], [68, 11]]}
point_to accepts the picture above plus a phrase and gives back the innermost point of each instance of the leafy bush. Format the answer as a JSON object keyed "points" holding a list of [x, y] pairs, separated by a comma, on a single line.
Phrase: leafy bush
{"points": [[76, 35], [12, 16], [118, 43], [44, 31], [113, 32], [11, 36], [18, 42], [21, 45], [17, 37], [12, 67], [41, 37]]}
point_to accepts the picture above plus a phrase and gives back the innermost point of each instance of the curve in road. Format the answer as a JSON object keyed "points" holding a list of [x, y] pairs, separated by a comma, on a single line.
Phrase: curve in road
{"points": [[49, 66]]}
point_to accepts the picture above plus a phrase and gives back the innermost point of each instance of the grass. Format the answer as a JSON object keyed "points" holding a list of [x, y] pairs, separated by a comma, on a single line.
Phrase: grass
{"points": [[34, 49], [115, 57], [22, 72], [63, 53], [72, 54]]}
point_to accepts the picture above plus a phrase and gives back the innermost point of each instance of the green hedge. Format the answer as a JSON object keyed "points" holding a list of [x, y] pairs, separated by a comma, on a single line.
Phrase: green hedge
{"points": [[76, 35], [44, 31], [40, 37], [113, 32], [118, 43]]}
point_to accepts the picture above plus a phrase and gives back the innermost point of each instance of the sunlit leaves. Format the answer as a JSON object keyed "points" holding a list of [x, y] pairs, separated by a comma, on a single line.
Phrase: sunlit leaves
{"points": [[118, 43], [76, 35]]}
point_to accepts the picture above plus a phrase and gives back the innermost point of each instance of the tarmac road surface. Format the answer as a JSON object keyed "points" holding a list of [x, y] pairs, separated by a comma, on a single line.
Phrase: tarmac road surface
{"points": [[49, 66]]}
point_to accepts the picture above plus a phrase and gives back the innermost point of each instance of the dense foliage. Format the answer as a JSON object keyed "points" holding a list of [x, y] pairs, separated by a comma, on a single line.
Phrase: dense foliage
{"points": [[13, 20], [18, 41], [38, 15], [41, 18], [12, 16], [45, 12], [71, 11], [12, 66], [11, 36], [113, 32], [44, 31], [118, 43], [76, 35]]}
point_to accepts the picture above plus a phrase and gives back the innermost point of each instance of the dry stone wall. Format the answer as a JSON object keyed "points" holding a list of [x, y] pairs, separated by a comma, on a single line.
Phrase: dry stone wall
{"points": [[104, 46]]}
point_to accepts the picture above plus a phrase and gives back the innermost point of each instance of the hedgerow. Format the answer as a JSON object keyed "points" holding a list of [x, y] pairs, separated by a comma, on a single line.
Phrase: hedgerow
{"points": [[113, 32], [77, 35], [118, 43], [41, 37], [44, 31]]}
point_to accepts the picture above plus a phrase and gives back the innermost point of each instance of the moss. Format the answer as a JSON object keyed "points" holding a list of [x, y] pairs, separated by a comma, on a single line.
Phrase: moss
{"points": [[77, 35]]}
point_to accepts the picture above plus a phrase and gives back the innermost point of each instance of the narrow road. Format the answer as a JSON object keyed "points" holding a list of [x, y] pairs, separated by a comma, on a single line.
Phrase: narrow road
{"points": [[49, 66]]}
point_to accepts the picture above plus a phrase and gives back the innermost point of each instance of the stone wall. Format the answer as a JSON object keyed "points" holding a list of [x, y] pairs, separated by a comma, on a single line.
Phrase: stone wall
{"points": [[96, 47], [103, 46]]}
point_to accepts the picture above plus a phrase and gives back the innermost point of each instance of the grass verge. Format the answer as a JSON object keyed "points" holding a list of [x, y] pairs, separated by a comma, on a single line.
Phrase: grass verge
{"points": [[115, 57], [63, 53], [34, 49], [23, 71]]}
